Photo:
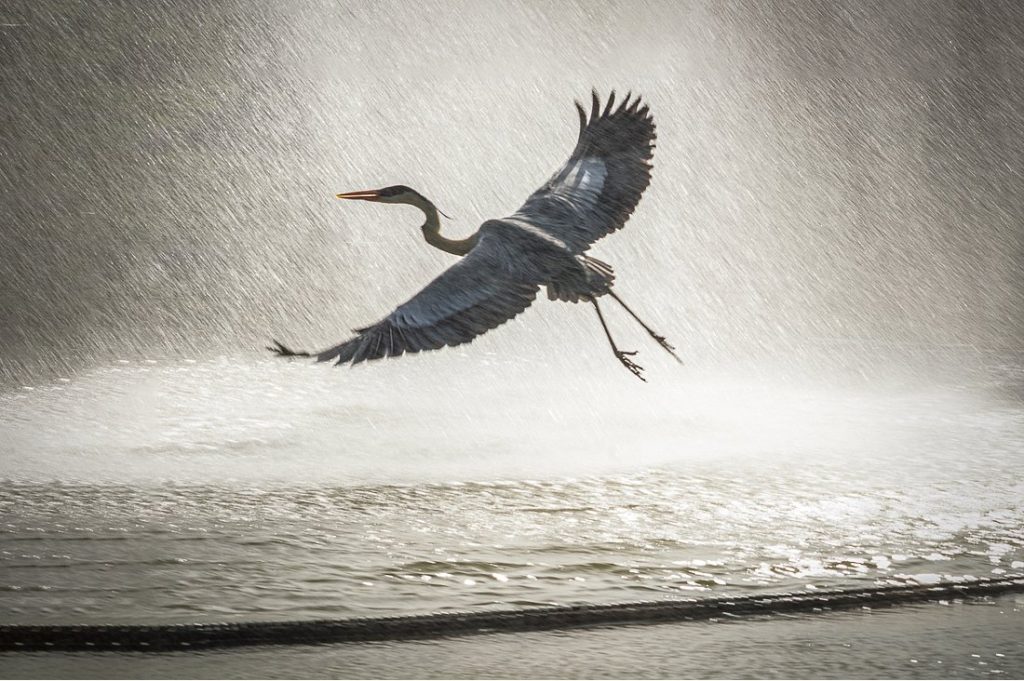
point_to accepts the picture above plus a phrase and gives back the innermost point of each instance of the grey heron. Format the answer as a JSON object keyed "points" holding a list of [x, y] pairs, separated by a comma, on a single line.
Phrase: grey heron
{"points": [[506, 261]]}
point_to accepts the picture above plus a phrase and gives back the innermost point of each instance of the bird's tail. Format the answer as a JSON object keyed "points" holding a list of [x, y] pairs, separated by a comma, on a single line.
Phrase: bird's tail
{"points": [[599, 269], [599, 278]]}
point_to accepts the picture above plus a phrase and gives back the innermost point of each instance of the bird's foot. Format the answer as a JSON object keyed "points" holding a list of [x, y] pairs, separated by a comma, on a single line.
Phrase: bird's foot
{"points": [[634, 368], [284, 351], [669, 348]]}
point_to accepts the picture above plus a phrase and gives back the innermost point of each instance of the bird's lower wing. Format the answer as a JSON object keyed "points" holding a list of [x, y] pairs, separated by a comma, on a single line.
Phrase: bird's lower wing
{"points": [[483, 290]]}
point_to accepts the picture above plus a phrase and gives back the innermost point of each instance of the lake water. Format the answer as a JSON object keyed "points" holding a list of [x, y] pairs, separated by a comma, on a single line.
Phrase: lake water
{"points": [[241, 489]]}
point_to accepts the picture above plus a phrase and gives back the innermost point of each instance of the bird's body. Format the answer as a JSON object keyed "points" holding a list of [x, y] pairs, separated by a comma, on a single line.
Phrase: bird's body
{"points": [[506, 262]]}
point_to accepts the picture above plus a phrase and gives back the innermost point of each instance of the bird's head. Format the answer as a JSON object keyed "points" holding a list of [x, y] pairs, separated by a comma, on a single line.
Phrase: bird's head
{"points": [[398, 193]]}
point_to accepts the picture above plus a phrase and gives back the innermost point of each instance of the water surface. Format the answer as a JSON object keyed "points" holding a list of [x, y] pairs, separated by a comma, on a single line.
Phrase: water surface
{"points": [[240, 489]]}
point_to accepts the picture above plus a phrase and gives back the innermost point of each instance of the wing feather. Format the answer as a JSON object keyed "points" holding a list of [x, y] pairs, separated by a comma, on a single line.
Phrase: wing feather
{"points": [[481, 291], [597, 189]]}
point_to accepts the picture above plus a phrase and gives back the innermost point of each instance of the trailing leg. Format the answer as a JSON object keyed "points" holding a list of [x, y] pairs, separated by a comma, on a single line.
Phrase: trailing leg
{"points": [[661, 339], [621, 355]]}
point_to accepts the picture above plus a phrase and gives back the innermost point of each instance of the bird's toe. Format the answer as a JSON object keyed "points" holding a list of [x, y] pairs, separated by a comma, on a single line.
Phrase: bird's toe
{"points": [[632, 366]]}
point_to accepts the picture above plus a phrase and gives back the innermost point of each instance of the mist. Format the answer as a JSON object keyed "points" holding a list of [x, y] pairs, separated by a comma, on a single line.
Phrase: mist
{"points": [[836, 186]]}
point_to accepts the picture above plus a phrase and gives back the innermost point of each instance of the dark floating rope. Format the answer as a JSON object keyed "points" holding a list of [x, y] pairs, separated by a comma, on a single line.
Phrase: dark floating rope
{"points": [[195, 636]]}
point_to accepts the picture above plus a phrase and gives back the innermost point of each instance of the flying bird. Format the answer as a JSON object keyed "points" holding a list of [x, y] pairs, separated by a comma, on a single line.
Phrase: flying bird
{"points": [[505, 262]]}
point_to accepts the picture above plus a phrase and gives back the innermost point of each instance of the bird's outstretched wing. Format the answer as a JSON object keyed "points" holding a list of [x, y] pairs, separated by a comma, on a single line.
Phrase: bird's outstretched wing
{"points": [[481, 291], [596, 190]]}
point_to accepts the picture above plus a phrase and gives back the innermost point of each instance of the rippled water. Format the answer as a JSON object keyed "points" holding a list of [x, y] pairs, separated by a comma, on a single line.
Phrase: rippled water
{"points": [[240, 489]]}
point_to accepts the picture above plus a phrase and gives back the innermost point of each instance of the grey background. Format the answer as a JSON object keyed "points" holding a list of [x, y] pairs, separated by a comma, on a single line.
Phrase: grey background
{"points": [[829, 175]]}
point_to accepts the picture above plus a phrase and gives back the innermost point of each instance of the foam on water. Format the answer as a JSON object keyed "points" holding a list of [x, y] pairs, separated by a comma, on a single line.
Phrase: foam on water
{"points": [[416, 420]]}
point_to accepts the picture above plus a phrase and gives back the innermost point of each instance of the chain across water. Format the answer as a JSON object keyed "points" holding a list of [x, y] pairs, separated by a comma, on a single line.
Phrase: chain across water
{"points": [[194, 636]]}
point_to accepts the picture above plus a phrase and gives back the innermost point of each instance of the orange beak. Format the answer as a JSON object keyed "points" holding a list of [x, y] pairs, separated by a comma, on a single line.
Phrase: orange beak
{"points": [[365, 195]]}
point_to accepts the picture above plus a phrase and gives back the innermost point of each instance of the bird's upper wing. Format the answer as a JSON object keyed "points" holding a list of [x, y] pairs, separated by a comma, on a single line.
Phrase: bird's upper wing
{"points": [[596, 190], [481, 291]]}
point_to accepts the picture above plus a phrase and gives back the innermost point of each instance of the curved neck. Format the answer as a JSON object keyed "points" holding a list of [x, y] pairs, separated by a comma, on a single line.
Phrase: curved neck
{"points": [[432, 230]]}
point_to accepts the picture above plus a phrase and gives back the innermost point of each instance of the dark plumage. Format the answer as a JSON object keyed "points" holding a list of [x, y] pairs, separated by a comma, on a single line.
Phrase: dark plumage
{"points": [[618, 142], [541, 244]]}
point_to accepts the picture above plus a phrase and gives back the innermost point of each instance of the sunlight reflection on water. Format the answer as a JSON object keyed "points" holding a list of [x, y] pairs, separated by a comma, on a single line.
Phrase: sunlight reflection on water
{"points": [[214, 490]]}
